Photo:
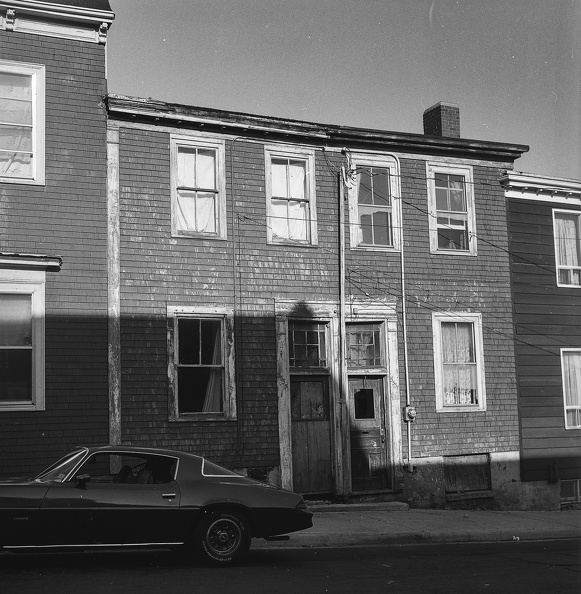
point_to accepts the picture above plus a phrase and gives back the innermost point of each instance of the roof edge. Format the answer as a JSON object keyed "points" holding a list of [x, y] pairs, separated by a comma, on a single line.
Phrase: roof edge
{"points": [[55, 10]]}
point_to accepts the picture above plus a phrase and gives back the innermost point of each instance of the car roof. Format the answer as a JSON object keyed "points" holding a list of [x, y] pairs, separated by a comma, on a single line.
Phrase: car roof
{"points": [[142, 450]]}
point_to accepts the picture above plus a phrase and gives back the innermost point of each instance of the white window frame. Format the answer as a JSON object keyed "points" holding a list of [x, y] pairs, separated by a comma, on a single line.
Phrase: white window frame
{"points": [[565, 407], [37, 73], [298, 154], [391, 163], [461, 317], [466, 172], [201, 142], [557, 265], [30, 282], [229, 386]]}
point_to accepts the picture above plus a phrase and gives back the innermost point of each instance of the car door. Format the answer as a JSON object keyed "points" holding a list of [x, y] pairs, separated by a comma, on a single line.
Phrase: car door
{"points": [[102, 506]]}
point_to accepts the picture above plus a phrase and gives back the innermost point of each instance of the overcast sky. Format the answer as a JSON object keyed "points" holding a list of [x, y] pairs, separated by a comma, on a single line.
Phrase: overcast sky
{"points": [[512, 66]]}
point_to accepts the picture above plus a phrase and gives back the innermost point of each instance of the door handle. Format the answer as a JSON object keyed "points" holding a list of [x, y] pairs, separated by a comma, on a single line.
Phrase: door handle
{"points": [[169, 495]]}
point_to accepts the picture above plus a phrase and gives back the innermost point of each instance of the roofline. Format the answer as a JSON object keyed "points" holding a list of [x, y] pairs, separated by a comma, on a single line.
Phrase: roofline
{"points": [[60, 11], [540, 187], [141, 109]]}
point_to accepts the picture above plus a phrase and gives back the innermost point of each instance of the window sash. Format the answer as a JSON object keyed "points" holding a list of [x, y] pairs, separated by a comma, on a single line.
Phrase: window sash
{"points": [[200, 365], [568, 248], [21, 110], [307, 345], [571, 367], [365, 346]]}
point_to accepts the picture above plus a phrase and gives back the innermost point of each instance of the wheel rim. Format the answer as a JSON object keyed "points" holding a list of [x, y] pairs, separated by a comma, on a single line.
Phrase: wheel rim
{"points": [[223, 536]]}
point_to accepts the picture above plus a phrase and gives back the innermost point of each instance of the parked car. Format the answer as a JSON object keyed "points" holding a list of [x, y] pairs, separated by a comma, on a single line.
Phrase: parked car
{"points": [[131, 496]]}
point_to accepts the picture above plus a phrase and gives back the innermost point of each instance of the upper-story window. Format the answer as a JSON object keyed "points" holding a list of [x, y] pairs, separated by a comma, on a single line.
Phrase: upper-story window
{"points": [[198, 187], [22, 122], [451, 209], [290, 194], [374, 205], [567, 226], [458, 362]]}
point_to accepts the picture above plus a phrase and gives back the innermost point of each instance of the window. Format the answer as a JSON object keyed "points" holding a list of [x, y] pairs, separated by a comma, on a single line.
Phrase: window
{"points": [[22, 340], [202, 355], [374, 202], [198, 188], [571, 366], [290, 191], [451, 209], [21, 122], [307, 345], [364, 346], [458, 362], [567, 226]]}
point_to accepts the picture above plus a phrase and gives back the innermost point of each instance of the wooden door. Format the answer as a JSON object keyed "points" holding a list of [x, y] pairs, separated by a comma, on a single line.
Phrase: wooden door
{"points": [[311, 435], [368, 434]]}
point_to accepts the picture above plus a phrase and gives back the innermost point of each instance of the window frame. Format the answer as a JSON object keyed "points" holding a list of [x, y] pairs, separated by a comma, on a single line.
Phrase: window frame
{"points": [[466, 171], [200, 142], [30, 282], [564, 380], [37, 73], [475, 319], [557, 265], [391, 163], [296, 154], [226, 316]]}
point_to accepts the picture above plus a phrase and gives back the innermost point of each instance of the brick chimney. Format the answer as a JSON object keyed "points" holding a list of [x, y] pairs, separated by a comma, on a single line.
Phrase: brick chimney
{"points": [[442, 119]]}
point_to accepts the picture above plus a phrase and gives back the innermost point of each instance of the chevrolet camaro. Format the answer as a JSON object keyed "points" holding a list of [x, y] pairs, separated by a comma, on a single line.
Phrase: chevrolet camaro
{"points": [[122, 496]]}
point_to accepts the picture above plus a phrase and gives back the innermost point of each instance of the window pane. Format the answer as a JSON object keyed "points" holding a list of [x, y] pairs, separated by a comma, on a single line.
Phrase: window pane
{"points": [[199, 390], [206, 170], [307, 345], [279, 218], [452, 239], [206, 213], [568, 247], [15, 320], [381, 187], [364, 404], [15, 112], [279, 178], [14, 163], [364, 348], [381, 227], [16, 374], [364, 194], [441, 199], [211, 342], [186, 167], [298, 217], [16, 86], [189, 341], [297, 179], [15, 138], [572, 378]]}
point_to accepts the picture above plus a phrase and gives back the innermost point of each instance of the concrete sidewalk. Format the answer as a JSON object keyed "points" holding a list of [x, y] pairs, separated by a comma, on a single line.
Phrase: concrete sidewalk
{"points": [[374, 524]]}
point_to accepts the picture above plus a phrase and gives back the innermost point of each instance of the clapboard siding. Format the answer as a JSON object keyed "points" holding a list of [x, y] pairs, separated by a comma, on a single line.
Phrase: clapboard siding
{"points": [[547, 318]]}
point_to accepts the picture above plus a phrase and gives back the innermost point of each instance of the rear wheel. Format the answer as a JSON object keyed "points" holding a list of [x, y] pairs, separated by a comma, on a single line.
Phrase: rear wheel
{"points": [[222, 537]]}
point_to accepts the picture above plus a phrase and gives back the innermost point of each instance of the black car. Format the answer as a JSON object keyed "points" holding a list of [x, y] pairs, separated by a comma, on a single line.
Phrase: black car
{"points": [[122, 496]]}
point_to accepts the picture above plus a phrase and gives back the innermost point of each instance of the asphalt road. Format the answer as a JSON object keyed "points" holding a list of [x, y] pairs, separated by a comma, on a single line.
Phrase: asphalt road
{"points": [[527, 567]]}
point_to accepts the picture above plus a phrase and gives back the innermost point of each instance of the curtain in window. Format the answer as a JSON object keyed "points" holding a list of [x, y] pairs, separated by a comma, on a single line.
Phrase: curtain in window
{"points": [[572, 388], [16, 128], [459, 369], [568, 247], [213, 397]]}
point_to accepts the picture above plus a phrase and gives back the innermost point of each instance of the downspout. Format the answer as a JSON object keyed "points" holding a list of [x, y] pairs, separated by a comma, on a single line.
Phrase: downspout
{"points": [[344, 482], [408, 415]]}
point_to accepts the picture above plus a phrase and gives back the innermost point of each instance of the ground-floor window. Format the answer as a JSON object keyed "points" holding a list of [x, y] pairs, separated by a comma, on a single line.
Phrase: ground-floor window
{"points": [[571, 366]]}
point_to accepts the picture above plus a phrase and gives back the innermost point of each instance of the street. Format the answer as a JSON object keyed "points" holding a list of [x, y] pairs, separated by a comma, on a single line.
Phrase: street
{"points": [[514, 567]]}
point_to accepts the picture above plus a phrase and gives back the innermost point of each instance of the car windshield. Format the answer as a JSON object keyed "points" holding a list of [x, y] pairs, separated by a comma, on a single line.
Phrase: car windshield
{"points": [[60, 469]]}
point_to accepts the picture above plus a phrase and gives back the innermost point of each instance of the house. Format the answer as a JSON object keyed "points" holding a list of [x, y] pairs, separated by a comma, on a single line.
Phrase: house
{"points": [[545, 251], [53, 230], [324, 307]]}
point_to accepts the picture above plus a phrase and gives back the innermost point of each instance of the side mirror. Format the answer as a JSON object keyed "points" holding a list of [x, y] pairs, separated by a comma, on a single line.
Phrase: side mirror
{"points": [[81, 481]]}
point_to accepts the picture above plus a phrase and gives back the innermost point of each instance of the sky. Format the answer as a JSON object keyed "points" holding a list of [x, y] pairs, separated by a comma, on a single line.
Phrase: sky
{"points": [[512, 66]]}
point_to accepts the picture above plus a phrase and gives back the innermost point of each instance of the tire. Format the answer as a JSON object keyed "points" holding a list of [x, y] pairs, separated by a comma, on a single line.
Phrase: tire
{"points": [[222, 537]]}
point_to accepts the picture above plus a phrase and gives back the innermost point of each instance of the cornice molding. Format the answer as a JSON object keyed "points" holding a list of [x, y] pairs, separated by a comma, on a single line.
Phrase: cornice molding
{"points": [[30, 262], [541, 188]]}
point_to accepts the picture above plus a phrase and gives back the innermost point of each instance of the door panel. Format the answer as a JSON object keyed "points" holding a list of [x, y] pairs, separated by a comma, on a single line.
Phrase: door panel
{"points": [[369, 459], [311, 435]]}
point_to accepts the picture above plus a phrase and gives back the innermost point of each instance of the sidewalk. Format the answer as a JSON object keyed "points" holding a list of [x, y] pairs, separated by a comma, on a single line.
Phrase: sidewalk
{"points": [[374, 524]]}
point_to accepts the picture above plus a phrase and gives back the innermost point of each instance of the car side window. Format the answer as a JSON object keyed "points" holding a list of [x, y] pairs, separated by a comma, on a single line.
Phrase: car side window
{"points": [[104, 467]]}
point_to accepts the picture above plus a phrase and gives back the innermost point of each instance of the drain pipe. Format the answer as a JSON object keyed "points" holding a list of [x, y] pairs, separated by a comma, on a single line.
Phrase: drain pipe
{"points": [[409, 411]]}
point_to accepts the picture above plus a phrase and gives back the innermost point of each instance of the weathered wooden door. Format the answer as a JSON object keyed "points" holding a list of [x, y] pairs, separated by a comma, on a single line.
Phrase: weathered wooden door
{"points": [[368, 434], [311, 435]]}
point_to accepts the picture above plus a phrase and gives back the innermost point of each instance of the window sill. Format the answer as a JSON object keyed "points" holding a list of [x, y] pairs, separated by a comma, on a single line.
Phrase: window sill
{"points": [[197, 417], [452, 253]]}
